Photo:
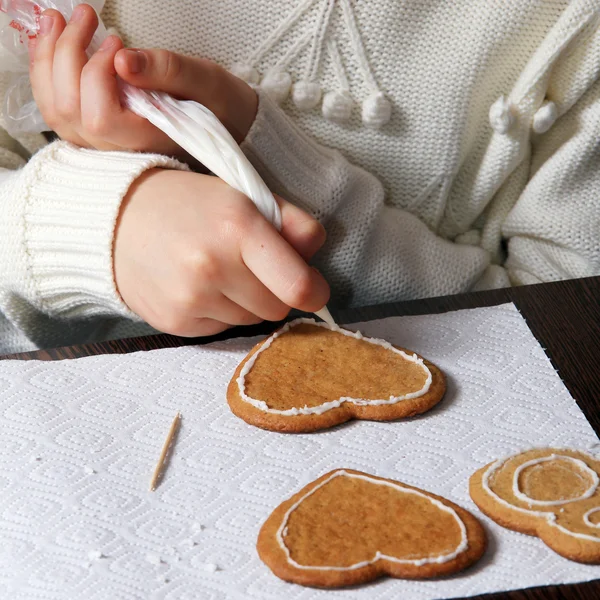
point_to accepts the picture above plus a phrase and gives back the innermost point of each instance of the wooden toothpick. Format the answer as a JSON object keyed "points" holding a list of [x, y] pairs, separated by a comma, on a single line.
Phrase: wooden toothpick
{"points": [[165, 451]]}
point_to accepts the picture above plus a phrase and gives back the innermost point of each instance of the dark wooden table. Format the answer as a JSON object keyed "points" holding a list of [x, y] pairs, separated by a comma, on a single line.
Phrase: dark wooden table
{"points": [[563, 316]]}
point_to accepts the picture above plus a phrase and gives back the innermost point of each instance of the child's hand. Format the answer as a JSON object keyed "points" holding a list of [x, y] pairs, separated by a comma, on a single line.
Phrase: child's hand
{"points": [[193, 256], [79, 98]]}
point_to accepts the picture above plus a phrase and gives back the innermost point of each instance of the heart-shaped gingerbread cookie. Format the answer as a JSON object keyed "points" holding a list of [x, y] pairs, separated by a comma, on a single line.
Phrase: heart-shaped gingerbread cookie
{"points": [[349, 527], [551, 493], [308, 376]]}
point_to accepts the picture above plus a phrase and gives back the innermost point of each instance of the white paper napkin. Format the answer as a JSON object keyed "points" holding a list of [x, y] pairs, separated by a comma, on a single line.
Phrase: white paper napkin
{"points": [[79, 440]]}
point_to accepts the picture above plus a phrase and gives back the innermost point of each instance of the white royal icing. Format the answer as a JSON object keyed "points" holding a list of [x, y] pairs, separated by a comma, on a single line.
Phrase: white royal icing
{"points": [[586, 517], [579, 463], [549, 516], [442, 558], [317, 410]]}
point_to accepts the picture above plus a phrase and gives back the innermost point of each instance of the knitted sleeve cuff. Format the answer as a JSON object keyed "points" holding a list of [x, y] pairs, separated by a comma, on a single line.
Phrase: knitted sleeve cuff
{"points": [[289, 161], [70, 203]]}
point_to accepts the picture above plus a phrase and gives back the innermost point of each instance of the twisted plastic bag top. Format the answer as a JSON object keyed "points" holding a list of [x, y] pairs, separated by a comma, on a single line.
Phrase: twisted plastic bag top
{"points": [[193, 126]]}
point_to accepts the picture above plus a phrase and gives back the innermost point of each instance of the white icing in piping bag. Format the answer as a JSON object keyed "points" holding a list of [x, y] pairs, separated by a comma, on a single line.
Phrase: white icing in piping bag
{"points": [[196, 129], [326, 316]]}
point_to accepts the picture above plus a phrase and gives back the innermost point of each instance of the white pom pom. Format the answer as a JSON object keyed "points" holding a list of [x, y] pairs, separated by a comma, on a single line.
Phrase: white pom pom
{"points": [[246, 72], [337, 105], [306, 94], [376, 110], [501, 115], [277, 85], [545, 117]]}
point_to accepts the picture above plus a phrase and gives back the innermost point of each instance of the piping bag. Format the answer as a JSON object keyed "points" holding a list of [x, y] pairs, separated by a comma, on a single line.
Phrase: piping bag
{"points": [[191, 125]]}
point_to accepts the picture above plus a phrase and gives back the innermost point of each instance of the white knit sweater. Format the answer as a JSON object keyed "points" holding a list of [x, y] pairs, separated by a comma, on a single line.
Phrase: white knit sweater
{"points": [[486, 174]]}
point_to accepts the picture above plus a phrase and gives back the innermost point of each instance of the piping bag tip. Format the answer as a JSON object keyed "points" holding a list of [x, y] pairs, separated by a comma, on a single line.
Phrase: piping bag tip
{"points": [[325, 315]]}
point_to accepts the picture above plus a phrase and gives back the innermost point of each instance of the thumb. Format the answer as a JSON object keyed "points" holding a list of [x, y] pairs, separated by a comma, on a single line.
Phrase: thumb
{"points": [[181, 76], [232, 101]]}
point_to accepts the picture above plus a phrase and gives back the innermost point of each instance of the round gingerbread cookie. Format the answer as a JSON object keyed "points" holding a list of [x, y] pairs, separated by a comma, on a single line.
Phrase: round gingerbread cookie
{"points": [[308, 376], [349, 527], [551, 493]]}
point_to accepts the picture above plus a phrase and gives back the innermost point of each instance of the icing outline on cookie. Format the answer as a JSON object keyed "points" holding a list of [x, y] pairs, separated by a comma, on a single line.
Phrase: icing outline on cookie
{"points": [[550, 517], [462, 546], [525, 498], [318, 410], [586, 517]]}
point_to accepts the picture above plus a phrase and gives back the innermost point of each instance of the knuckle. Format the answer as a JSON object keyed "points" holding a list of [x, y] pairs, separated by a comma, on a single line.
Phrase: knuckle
{"points": [[212, 76], [237, 220], [185, 303], [205, 327], [171, 65], [67, 108], [202, 267], [92, 71], [300, 291], [314, 231], [51, 119], [175, 324], [278, 313], [247, 318], [64, 45], [96, 125]]}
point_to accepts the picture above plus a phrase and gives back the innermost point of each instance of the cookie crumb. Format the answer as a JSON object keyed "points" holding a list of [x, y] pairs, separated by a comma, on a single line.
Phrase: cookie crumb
{"points": [[210, 567], [95, 555], [153, 558], [88, 470]]}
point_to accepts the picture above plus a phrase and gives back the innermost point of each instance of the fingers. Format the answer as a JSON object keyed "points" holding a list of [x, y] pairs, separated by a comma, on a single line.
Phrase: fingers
{"points": [[69, 60], [301, 231], [304, 233], [204, 327], [282, 270], [222, 309], [178, 75], [103, 117], [232, 101], [100, 104], [196, 328], [57, 58], [220, 286], [249, 293], [41, 68]]}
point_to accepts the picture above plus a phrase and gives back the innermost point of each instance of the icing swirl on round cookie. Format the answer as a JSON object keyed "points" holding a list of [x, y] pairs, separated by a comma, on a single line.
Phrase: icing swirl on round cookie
{"points": [[586, 517], [549, 515], [326, 406], [553, 457]]}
